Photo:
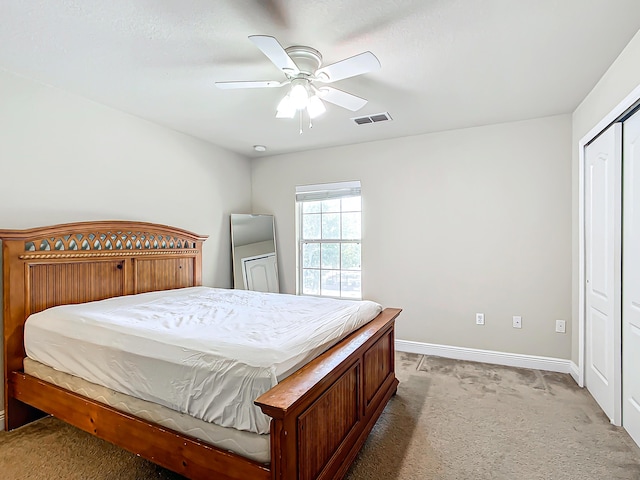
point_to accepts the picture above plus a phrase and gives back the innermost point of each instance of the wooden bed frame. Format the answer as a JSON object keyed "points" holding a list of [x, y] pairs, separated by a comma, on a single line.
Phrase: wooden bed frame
{"points": [[321, 415]]}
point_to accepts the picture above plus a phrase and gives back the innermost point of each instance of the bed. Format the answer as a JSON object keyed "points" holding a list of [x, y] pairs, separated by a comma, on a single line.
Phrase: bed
{"points": [[320, 415]]}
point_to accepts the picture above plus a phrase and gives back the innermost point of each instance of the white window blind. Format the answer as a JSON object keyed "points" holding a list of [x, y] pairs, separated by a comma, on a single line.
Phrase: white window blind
{"points": [[325, 191]]}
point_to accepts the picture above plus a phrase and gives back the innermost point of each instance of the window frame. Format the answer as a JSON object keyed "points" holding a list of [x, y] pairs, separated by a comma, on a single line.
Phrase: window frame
{"points": [[322, 192]]}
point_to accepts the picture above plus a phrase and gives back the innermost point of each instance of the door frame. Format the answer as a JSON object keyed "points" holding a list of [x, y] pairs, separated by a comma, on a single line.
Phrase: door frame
{"points": [[629, 102]]}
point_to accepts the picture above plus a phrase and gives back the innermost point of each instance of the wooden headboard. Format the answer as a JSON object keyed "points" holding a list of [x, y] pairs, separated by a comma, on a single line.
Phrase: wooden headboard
{"points": [[87, 261]]}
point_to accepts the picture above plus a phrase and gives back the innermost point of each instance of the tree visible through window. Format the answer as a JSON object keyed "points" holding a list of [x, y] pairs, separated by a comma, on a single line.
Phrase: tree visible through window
{"points": [[330, 240]]}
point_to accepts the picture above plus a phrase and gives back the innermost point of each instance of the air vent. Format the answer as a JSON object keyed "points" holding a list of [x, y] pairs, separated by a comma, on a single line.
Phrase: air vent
{"points": [[375, 118]]}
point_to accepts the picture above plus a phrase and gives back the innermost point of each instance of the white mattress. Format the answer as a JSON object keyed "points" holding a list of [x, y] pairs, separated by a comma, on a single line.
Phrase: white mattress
{"points": [[247, 444], [201, 351]]}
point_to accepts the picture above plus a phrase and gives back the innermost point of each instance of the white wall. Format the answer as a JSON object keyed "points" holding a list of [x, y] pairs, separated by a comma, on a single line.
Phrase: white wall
{"points": [[454, 223], [619, 81], [64, 159]]}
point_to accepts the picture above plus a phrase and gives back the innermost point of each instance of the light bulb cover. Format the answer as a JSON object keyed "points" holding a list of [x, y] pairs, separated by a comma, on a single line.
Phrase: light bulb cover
{"points": [[299, 94], [286, 109], [316, 107]]}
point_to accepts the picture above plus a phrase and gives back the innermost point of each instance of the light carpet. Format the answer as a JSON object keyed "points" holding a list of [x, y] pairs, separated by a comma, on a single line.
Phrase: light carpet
{"points": [[451, 420]]}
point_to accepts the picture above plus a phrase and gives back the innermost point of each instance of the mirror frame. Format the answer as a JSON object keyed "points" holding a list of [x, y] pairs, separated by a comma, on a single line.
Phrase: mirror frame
{"points": [[262, 235]]}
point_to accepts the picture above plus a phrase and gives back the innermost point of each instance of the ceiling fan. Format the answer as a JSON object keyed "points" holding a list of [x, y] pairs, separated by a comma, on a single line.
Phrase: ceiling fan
{"points": [[303, 71]]}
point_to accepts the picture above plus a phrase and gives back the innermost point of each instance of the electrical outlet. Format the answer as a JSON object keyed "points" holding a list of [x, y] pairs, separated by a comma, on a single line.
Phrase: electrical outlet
{"points": [[561, 326], [479, 318], [517, 321]]}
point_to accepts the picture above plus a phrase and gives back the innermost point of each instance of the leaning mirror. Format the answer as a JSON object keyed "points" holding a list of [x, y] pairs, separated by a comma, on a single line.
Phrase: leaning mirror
{"points": [[253, 249]]}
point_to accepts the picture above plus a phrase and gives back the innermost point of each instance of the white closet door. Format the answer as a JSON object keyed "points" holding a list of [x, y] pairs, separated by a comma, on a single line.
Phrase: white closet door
{"points": [[603, 261], [631, 279]]}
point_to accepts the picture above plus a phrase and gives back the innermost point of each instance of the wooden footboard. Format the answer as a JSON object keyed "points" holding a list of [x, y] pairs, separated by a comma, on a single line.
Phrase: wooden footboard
{"points": [[322, 414]]}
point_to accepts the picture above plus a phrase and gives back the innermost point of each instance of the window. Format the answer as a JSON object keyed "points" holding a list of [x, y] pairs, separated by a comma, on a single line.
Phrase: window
{"points": [[329, 240]]}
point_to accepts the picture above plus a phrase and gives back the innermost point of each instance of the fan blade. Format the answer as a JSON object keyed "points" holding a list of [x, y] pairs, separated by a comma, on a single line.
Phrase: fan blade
{"points": [[232, 85], [274, 51], [350, 67], [342, 99]]}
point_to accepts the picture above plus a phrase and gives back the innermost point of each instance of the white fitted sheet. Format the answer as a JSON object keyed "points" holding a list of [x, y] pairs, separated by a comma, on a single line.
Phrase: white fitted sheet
{"points": [[201, 351], [248, 444]]}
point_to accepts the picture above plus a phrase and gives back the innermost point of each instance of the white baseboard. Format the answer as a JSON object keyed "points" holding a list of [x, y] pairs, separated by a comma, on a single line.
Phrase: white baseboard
{"points": [[488, 356], [1, 420]]}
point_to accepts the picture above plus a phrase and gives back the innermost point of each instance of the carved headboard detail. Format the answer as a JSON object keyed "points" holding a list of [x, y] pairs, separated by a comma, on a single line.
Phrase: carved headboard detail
{"points": [[109, 240], [87, 261]]}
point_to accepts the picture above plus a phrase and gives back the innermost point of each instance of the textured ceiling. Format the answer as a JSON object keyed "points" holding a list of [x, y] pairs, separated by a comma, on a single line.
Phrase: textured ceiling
{"points": [[445, 63]]}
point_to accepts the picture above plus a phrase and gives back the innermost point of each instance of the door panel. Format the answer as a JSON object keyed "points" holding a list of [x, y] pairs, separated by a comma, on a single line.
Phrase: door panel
{"points": [[261, 274], [599, 346], [603, 263], [631, 279]]}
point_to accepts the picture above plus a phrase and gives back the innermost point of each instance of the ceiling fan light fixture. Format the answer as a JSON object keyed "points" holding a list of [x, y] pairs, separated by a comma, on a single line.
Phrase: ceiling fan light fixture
{"points": [[315, 107], [286, 108], [302, 67]]}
